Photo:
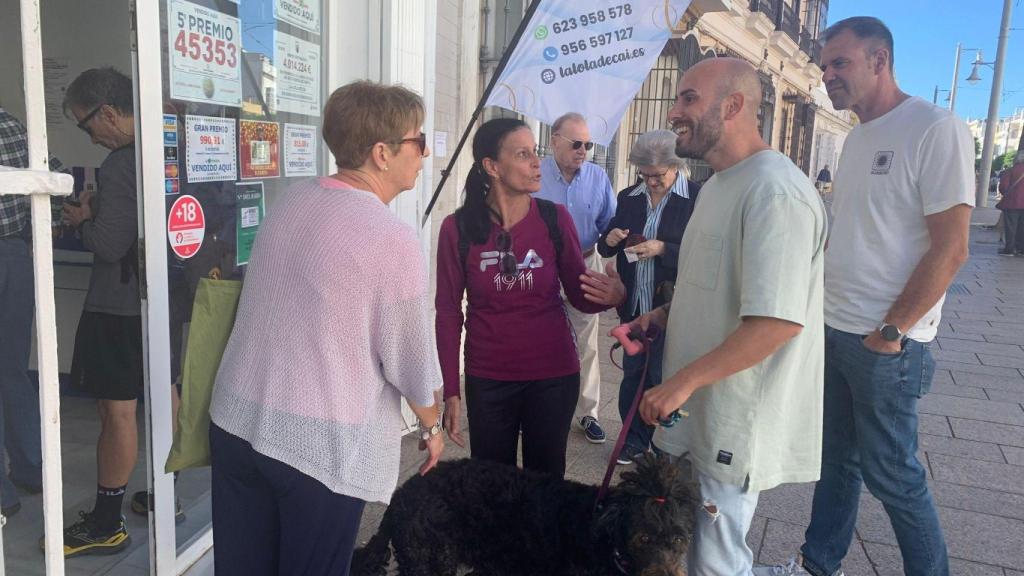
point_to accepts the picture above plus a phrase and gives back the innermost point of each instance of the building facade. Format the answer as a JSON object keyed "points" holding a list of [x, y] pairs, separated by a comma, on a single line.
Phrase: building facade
{"points": [[781, 38], [1009, 132]]}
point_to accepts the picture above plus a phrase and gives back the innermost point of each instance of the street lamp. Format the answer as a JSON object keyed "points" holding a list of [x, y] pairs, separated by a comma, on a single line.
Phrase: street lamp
{"points": [[956, 73], [981, 198], [974, 78]]}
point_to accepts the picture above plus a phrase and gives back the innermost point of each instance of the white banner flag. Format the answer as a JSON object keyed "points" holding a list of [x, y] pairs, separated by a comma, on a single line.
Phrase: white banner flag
{"points": [[586, 57]]}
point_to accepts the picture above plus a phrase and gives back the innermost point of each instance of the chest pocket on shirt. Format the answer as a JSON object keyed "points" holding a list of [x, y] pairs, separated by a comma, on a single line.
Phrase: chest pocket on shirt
{"points": [[704, 262]]}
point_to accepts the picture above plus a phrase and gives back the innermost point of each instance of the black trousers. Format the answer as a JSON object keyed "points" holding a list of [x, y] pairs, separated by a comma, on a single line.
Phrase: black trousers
{"points": [[269, 518], [1013, 230], [542, 409]]}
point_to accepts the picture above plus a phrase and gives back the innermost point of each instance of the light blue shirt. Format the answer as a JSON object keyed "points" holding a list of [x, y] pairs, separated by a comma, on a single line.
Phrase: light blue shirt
{"points": [[589, 198], [643, 294]]}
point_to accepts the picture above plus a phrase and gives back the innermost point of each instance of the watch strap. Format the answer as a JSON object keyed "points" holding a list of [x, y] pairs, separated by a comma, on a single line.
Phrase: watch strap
{"points": [[890, 332], [428, 432]]}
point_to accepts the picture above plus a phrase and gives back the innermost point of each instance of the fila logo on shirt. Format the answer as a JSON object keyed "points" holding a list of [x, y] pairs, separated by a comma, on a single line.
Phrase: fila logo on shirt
{"points": [[531, 261], [882, 162]]}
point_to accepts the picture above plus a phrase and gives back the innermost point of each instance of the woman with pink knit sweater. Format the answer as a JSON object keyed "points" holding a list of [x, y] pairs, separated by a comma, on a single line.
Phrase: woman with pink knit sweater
{"points": [[333, 328]]}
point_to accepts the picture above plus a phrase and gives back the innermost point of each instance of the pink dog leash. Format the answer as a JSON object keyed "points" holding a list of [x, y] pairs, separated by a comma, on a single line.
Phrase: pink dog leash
{"points": [[628, 421]]}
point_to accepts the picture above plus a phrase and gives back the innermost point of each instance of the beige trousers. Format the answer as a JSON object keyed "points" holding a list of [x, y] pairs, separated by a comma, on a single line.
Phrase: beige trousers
{"points": [[586, 328]]}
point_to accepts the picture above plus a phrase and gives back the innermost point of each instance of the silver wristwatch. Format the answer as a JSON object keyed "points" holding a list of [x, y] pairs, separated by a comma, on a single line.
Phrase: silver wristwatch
{"points": [[428, 433]]}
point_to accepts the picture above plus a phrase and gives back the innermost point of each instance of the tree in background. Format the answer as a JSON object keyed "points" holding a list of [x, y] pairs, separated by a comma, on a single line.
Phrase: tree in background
{"points": [[1000, 163]]}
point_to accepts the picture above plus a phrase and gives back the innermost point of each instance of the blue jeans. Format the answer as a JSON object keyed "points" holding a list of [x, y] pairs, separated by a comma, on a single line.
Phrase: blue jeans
{"points": [[870, 437], [640, 434], [720, 541], [19, 398]]}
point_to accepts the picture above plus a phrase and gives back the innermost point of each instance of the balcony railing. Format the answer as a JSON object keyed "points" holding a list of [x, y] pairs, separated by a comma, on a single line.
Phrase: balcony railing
{"points": [[766, 7], [810, 46], [788, 21]]}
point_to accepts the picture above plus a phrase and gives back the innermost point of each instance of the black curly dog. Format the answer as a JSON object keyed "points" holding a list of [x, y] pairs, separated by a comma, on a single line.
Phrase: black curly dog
{"points": [[500, 520]]}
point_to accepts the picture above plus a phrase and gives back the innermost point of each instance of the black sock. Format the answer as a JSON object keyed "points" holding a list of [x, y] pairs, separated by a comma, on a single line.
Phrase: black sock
{"points": [[107, 512]]}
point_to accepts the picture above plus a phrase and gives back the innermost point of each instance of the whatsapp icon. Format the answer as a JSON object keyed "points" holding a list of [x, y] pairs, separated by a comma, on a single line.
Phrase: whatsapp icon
{"points": [[541, 32]]}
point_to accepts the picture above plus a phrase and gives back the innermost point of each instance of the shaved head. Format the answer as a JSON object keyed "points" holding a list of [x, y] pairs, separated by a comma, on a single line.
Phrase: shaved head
{"points": [[727, 76], [715, 113]]}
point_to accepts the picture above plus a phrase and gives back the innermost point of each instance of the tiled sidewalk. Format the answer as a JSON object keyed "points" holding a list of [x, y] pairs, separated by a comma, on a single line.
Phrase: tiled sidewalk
{"points": [[971, 435], [972, 438]]}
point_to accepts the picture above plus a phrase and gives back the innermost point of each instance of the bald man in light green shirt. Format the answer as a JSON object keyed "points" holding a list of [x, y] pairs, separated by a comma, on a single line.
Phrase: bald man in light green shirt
{"points": [[744, 353]]}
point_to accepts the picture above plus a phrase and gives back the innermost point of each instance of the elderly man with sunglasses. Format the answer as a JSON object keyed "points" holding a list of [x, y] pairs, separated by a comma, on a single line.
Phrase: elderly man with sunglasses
{"points": [[585, 190]]}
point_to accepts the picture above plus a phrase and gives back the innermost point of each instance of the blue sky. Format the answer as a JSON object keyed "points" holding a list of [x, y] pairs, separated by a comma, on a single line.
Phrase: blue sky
{"points": [[926, 33]]}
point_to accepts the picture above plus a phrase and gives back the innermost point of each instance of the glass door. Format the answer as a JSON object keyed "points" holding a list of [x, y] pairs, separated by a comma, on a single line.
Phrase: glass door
{"points": [[230, 98]]}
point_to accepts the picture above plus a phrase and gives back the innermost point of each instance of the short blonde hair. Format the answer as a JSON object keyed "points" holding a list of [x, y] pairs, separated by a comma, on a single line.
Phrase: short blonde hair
{"points": [[363, 113]]}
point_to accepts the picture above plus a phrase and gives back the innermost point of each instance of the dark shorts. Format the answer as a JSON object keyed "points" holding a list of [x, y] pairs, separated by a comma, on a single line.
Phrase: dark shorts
{"points": [[107, 363]]}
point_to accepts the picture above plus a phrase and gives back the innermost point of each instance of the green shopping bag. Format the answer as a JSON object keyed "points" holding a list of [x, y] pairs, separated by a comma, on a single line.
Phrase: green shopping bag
{"points": [[213, 315]]}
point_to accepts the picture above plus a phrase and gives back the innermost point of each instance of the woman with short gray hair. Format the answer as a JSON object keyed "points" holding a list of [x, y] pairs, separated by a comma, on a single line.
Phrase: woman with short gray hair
{"points": [[656, 148], [644, 236]]}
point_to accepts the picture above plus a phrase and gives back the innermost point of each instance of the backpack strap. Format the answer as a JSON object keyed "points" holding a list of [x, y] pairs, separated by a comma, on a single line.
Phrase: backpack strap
{"points": [[549, 213]]}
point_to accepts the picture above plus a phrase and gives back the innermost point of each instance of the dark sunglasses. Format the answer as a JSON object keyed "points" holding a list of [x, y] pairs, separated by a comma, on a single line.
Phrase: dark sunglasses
{"points": [[420, 141], [507, 263], [577, 144], [83, 123]]}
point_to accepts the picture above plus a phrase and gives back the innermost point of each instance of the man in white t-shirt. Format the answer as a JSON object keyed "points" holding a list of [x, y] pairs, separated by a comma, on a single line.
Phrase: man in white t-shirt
{"points": [[904, 190]]}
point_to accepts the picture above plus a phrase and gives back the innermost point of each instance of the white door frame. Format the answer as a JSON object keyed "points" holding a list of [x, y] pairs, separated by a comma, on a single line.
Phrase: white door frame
{"points": [[164, 558], [38, 183]]}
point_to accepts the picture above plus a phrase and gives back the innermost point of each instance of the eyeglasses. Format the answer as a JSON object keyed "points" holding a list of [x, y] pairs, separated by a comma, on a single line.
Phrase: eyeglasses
{"points": [[420, 141], [83, 123], [655, 177], [507, 263], [577, 144]]}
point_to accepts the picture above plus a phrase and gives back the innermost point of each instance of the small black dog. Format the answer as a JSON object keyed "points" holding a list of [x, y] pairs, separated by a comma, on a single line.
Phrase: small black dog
{"points": [[500, 520]]}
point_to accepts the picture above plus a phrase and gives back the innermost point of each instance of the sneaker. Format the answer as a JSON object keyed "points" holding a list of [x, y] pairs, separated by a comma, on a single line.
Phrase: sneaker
{"points": [[84, 538], [628, 455], [592, 430], [142, 503], [790, 568], [1006, 252]]}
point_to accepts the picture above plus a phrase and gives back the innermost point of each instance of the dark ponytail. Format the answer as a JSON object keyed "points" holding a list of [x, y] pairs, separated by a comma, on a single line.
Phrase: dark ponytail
{"points": [[474, 217]]}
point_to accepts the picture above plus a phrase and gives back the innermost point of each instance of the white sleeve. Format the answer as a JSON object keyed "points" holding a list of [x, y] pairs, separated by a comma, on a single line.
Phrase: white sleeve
{"points": [[946, 167]]}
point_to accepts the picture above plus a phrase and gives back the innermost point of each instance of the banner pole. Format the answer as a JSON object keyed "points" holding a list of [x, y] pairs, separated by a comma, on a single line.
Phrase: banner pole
{"points": [[527, 16]]}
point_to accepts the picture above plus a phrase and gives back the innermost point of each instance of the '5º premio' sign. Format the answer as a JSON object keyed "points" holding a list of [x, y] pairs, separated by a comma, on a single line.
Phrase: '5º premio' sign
{"points": [[204, 50]]}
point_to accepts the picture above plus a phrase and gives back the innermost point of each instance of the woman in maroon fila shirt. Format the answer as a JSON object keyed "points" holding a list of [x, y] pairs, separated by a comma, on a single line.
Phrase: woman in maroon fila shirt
{"points": [[522, 370]]}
